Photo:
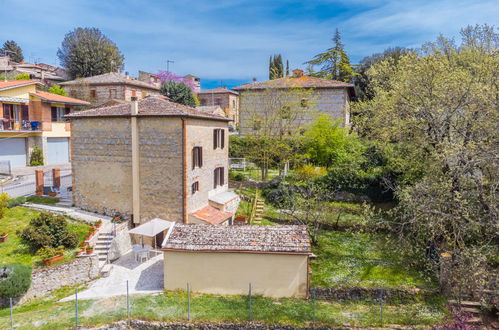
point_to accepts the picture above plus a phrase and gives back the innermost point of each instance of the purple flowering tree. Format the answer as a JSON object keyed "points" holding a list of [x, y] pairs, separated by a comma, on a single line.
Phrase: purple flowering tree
{"points": [[168, 76]]}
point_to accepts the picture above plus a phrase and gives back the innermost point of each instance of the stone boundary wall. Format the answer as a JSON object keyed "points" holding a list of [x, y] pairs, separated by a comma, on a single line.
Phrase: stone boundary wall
{"points": [[149, 325], [365, 294], [46, 280]]}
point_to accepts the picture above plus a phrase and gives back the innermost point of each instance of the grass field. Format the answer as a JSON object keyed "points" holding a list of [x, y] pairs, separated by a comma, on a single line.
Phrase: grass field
{"points": [[172, 306], [13, 250]]}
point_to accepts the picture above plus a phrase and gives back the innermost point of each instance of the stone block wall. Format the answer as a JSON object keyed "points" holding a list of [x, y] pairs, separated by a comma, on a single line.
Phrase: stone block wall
{"points": [[46, 280], [200, 134], [256, 103]]}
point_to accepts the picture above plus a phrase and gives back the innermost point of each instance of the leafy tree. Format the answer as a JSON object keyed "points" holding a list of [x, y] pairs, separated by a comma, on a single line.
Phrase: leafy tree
{"points": [[334, 62], [56, 89], [4, 201], [434, 117], [36, 157], [22, 76], [86, 52], [287, 68], [178, 92], [276, 68], [13, 50]]}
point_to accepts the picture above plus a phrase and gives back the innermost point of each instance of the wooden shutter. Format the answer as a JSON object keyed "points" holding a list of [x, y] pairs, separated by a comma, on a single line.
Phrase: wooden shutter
{"points": [[25, 112], [200, 156], [214, 139], [194, 151], [222, 176], [215, 178], [54, 113], [223, 138]]}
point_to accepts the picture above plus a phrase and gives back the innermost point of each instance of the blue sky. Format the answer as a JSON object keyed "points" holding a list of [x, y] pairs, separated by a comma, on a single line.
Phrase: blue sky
{"points": [[231, 41]]}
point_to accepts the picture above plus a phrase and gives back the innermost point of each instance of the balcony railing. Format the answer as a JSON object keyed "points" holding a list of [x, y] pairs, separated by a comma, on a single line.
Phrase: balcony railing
{"points": [[25, 125]]}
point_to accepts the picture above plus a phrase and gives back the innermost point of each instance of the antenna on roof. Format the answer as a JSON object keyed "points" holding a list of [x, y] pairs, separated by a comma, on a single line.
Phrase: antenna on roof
{"points": [[168, 65]]}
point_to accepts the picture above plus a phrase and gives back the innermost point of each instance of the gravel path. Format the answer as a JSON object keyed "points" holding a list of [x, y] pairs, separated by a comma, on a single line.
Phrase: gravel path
{"points": [[142, 278]]}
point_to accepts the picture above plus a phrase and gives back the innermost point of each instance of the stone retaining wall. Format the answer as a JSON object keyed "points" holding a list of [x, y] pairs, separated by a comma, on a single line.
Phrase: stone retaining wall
{"points": [[363, 294], [46, 280], [148, 325]]}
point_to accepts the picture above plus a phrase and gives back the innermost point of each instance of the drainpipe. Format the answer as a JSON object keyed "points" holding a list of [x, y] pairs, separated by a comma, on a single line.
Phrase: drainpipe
{"points": [[185, 218], [135, 160]]}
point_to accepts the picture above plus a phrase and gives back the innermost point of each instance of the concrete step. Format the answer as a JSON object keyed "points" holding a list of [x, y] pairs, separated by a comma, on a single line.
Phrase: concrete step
{"points": [[465, 303], [470, 310], [474, 320]]}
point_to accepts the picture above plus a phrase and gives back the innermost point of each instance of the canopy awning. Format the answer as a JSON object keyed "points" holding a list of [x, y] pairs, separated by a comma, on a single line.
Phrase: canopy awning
{"points": [[152, 227]]}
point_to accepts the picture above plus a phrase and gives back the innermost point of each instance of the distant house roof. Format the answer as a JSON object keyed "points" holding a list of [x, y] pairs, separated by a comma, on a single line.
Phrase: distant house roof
{"points": [[211, 215], [9, 84], [111, 78], [295, 82], [251, 239], [219, 90], [49, 97], [148, 106], [211, 109]]}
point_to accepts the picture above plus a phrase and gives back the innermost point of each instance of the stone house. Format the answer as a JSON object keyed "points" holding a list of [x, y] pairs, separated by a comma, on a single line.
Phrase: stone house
{"points": [[305, 97], [45, 73], [223, 260], [152, 158], [109, 86], [28, 118], [225, 98]]}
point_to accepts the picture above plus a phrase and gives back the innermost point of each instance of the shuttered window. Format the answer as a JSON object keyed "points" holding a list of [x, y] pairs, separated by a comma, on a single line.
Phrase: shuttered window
{"points": [[197, 157], [218, 138], [57, 114], [195, 187], [218, 177], [25, 112]]}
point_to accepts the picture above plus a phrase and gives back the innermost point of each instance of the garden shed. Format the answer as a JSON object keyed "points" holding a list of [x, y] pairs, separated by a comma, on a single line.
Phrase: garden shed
{"points": [[226, 259]]}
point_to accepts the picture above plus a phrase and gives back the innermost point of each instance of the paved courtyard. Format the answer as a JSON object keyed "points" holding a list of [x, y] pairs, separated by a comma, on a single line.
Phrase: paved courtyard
{"points": [[146, 277]]}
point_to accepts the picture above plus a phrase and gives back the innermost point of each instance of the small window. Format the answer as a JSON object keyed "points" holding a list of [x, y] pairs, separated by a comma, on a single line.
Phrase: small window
{"points": [[195, 187], [218, 101], [304, 103], [93, 93], [218, 177], [57, 114], [113, 93], [197, 157], [203, 101], [257, 124], [218, 138]]}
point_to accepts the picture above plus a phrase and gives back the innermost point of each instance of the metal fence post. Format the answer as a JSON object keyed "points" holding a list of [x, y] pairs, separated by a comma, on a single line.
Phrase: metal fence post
{"points": [[314, 305], [250, 311], [11, 318], [127, 303], [188, 303], [381, 306], [76, 310]]}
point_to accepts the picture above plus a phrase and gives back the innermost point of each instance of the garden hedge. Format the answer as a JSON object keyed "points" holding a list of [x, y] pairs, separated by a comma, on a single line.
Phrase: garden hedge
{"points": [[15, 280]]}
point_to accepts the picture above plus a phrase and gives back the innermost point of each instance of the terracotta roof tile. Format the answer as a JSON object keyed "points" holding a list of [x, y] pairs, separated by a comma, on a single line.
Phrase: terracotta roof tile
{"points": [[219, 90], [109, 79], [16, 83], [256, 239], [295, 82], [58, 98], [211, 215], [149, 106]]}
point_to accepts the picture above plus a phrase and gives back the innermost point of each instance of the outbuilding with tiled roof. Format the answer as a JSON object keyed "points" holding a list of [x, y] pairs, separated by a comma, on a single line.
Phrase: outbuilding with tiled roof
{"points": [[226, 259]]}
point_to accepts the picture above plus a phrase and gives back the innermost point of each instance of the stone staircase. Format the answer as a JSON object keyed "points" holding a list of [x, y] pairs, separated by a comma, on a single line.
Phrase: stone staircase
{"points": [[259, 211], [102, 246], [472, 307], [65, 198]]}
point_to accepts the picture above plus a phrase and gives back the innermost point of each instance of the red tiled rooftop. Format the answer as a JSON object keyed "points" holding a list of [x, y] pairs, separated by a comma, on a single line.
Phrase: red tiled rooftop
{"points": [[16, 83], [58, 98], [149, 106], [212, 215], [219, 90], [295, 82]]}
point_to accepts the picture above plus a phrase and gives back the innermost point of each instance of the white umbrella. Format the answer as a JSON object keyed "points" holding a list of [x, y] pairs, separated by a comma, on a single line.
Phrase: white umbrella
{"points": [[151, 228]]}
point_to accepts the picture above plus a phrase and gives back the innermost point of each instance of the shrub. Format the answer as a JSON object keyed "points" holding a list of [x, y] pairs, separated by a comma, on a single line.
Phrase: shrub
{"points": [[237, 176], [4, 201], [48, 230], [16, 201], [50, 252], [36, 157], [15, 280], [308, 172]]}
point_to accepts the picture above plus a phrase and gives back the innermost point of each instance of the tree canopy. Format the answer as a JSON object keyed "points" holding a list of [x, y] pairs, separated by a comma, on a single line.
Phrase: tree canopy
{"points": [[334, 62], [13, 50], [276, 67], [86, 52], [178, 92]]}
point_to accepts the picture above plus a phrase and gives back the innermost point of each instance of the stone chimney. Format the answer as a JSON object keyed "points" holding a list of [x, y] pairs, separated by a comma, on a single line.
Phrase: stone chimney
{"points": [[254, 80], [135, 104], [127, 76], [297, 73]]}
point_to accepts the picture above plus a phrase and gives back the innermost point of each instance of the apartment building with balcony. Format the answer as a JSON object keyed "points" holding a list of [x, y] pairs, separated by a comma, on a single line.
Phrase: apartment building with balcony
{"points": [[30, 117]]}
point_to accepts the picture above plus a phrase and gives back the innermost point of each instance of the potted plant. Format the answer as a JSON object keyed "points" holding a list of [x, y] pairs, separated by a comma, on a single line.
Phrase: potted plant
{"points": [[39, 192], [98, 223], [117, 219], [90, 249], [51, 255], [52, 194], [82, 248], [3, 236], [240, 218]]}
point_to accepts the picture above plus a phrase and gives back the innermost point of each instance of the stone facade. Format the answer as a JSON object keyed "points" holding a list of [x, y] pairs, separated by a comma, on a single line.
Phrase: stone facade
{"points": [[254, 105], [102, 168], [227, 99], [46, 280], [98, 94]]}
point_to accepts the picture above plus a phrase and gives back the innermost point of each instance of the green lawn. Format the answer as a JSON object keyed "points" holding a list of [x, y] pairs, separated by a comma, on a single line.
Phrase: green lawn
{"points": [[42, 200], [13, 250], [172, 306], [361, 260]]}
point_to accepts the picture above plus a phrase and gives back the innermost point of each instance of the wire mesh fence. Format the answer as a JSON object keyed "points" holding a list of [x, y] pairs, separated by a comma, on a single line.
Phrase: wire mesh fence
{"points": [[180, 306]]}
